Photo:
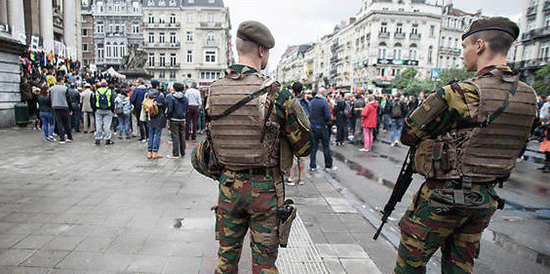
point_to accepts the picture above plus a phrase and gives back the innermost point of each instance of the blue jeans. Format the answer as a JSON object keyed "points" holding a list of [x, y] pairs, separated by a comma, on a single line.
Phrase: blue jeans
{"points": [[123, 124], [396, 126], [386, 121], [154, 139], [320, 134], [48, 123]]}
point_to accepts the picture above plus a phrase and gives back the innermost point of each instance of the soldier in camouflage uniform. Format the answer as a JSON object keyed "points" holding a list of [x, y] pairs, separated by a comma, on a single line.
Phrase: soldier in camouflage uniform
{"points": [[467, 136], [252, 146]]}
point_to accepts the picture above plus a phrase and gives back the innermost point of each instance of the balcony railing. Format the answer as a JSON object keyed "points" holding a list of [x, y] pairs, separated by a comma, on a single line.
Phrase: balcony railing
{"points": [[415, 36], [399, 35], [546, 5], [532, 11], [162, 45], [384, 34], [210, 42], [447, 50], [165, 66], [162, 25], [536, 33], [210, 25]]}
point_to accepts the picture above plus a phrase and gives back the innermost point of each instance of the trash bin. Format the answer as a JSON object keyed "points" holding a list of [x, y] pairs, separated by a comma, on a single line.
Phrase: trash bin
{"points": [[21, 114]]}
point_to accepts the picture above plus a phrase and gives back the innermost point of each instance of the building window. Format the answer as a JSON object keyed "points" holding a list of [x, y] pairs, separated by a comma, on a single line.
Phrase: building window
{"points": [[151, 37], [151, 59], [210, 56], [115, 50], [382, 51], [442, 41], [135, 28], [84, 47], [100, 27], [190, 17], [210, 75], [414, 29], [397, 51], [84, 32], [399, 28], [173, 60], [162, 74], [210, 18], [172, 74], [162, 60], [108, 50], [190, 1], [100, 51], [432, 30], [151, 19], [210, 39], [189, 56], [430, 53], [162, 38], [172, 37], [412, 52], [189, 35], [384, 27], [172, 18]]}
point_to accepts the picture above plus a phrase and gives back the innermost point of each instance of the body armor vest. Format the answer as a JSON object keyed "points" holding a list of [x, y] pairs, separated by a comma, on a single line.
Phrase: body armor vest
{"points": [[486, 152], [237, 137]]}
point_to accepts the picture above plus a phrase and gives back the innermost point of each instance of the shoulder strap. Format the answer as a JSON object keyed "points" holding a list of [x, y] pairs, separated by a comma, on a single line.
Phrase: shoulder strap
{"points": [[491, 118], [241, 103]]}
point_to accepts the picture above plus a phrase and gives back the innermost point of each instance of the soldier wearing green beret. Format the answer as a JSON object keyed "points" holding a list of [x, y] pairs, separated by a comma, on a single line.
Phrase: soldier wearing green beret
{"points": [[253, 132], [467, 136]]}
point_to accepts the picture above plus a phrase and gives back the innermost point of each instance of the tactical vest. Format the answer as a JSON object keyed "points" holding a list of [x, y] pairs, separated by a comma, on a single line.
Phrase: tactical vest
{"points": [[483, 153], [237, 137]]}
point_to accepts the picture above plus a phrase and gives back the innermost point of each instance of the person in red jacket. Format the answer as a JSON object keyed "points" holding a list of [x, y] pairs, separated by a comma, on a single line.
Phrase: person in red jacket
{"points": [[368, 121]]}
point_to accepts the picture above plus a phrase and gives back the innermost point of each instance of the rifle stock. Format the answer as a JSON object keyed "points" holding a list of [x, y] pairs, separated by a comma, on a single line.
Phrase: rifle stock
{"points": [[401, 185]]}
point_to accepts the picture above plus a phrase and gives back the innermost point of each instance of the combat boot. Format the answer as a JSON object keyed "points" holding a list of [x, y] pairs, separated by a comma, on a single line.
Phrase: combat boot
{"points": [[156, 155], [149, 155]]}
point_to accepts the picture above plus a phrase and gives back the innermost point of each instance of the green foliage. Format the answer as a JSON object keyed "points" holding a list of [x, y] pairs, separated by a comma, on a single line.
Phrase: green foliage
{"points": [[542, 80], [448, 75], [417, 86], [405, 78]]}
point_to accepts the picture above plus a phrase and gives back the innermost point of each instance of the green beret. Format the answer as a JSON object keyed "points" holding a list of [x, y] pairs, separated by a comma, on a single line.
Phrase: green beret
{"points": [[256, 32], [493, 23]]}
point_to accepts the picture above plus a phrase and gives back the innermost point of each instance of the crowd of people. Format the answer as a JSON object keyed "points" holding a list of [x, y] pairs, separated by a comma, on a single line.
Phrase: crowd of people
{"points": [[63, 99]]}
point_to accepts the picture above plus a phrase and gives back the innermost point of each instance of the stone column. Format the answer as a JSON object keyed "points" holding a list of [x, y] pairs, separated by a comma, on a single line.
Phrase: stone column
{"points": [[46, 24], [69, 27], [4, 12], [17, 20]]}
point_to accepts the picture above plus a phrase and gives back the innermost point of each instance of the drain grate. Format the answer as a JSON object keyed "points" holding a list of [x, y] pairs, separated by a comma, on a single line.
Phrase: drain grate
{"points": [[301, 255]]}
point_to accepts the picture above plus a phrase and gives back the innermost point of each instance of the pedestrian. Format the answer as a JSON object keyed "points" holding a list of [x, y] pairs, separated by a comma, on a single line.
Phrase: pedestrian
{"points": [[544, 111], [251, 186], [368, 122], [341, 113], [321, 122], [103, 102], [137, 99], [123, 109], [46, 112], [155, 123], [397, 113], [61, 105], [194, 98], [296, 90], [385, 110], [465, 145], [545, 148], [74, 96], [176, 111], [358, 106], [87, 110]]}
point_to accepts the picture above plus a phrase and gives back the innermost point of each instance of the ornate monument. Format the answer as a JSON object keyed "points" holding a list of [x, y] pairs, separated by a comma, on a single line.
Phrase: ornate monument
{"points": [[133, 64]]}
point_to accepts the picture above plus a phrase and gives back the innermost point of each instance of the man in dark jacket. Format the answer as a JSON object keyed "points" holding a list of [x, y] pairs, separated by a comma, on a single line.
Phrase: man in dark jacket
{"points": [[156, 123], [61, 105], [319, 117], [341, 116], [136, 99], [74, 96], [176, 111], [398, 112]]}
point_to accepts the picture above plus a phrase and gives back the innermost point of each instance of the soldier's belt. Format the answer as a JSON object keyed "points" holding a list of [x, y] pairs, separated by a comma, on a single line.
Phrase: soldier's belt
{"points": [[460, 198], [254, 171]]}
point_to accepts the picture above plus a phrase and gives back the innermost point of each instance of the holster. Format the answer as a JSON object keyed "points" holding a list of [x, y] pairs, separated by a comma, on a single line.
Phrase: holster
{"points": [[285, 217]]}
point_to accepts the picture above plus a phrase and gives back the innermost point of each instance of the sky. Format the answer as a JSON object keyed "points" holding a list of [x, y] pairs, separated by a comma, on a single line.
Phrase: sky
{"points": [[298, 22]]}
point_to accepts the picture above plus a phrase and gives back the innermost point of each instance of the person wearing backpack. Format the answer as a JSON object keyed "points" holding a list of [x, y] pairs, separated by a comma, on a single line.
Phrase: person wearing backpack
{"points": [[155, 121], [341, 112], [103, 103], [176, 111], [137, 100], [397, 114], [123, 109], [61, 104]]}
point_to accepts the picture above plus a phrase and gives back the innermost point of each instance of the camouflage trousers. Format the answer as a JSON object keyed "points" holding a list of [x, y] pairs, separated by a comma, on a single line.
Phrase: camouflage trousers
{"points": [[247, 200], [425, 227]]}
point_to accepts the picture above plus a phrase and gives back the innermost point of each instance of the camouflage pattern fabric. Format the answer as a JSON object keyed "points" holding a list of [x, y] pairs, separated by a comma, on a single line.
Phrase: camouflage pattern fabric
{"points": [[247, 199], [457, 231]]}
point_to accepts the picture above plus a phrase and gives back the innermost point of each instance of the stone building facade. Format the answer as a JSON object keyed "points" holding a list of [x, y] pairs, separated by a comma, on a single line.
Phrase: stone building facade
{"points": [[187, 40]]}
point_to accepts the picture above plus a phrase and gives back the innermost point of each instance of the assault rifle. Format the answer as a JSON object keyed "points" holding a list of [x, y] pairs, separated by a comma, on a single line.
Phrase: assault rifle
{"points": [[401, 185]]}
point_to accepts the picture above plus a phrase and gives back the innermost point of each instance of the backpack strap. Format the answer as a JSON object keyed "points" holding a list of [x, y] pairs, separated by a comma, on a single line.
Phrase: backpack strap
{"points": [[513, 89]]}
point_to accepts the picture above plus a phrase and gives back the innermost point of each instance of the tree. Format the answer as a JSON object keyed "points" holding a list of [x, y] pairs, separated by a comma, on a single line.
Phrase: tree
{"points": [[542, 80], [417, 86], [403, 79], [448, 75]]}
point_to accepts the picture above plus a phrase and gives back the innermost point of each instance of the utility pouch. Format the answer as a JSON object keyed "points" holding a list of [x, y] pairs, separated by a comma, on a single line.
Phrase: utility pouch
{"points": [[285, 216], [457, 198], [441, 157]]}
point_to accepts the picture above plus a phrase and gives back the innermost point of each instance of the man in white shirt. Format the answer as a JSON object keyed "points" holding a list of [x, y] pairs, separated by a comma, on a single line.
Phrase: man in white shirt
{"points": [[194, 98]]}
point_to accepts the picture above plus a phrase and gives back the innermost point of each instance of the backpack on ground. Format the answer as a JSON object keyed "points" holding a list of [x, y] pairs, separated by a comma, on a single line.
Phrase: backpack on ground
{"points": [[150, 106], [396, 109]]}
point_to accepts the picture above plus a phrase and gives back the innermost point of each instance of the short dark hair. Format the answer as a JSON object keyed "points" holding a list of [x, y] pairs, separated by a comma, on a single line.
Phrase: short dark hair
{"points": [[178, 87], [297, 87], [499, 42]]}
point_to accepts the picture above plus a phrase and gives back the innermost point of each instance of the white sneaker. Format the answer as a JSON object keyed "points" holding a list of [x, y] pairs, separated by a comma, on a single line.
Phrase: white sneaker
{"points": [[169, 156], [364, 149], [333, 168]]}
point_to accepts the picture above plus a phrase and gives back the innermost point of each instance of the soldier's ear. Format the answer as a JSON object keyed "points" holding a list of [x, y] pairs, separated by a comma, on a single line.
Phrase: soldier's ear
{"points": [[481, 45]]}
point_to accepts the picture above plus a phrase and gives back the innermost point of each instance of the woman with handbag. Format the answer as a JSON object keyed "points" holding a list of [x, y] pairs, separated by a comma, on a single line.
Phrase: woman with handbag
{"points": [[123, 108]]}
